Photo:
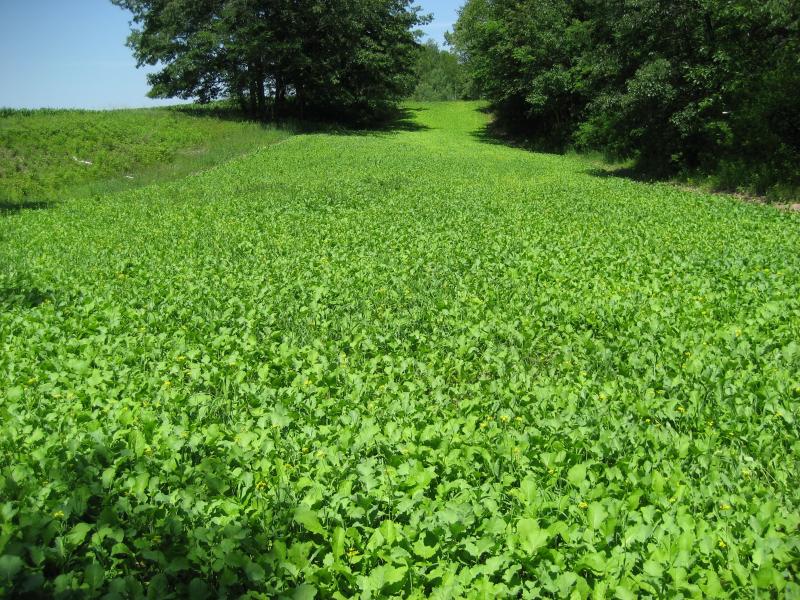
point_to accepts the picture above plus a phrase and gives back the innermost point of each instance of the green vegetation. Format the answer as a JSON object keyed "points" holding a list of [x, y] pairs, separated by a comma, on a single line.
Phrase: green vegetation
{"points": [[350, 59], [706, 90], [47, 155], [404, 363], [439, 75]]}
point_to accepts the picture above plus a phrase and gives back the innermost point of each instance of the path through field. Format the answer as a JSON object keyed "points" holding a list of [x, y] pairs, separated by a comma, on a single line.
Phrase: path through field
{"points": [[409, 362]]}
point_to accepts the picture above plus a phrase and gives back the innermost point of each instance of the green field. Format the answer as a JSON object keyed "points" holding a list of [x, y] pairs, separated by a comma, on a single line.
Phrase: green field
{"points": [[404, 363], [51, 155]]}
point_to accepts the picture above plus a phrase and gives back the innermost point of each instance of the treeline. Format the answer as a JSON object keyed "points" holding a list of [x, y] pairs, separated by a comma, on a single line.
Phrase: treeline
{"points": [[338, 58], [694, 86], [440, 75]]}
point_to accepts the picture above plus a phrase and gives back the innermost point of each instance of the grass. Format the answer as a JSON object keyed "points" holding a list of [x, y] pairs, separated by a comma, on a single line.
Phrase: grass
{"points": [[50, 155], [404, 363]]}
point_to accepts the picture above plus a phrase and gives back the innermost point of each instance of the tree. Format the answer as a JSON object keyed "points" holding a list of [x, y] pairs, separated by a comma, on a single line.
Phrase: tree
{"points": [[439, 74], [332, 57], [677, 85]]}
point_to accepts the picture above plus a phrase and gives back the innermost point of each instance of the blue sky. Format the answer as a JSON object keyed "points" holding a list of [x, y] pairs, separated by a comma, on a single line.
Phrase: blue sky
{"points": [[72, 53]]}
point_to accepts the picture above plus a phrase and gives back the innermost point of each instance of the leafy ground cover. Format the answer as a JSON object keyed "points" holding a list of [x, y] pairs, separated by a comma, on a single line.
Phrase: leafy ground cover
{"points": [[47, 155], [407, 364]]}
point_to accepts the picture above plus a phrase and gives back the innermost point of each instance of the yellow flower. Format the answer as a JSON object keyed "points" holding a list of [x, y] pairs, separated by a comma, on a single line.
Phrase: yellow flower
{"points": [[681, 409], [483, 424], [505, 418], [59, 514], [167, 383], [722, 544], [583, 505], [724, 506]]}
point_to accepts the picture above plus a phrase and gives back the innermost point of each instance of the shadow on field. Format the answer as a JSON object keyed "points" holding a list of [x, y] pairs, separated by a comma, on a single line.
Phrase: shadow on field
{"points": [[400, 119], [505, 134], [403, 120], [630, 173], [508, 134], [21, 297], [8, 207]]}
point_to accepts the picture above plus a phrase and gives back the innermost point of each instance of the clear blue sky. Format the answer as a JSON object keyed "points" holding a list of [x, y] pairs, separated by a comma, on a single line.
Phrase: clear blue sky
{"points": [[72, 53]]}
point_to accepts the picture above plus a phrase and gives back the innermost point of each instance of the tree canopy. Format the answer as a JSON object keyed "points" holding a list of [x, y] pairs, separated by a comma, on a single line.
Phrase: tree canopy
{"points": [[333, 57], [440, 75], [708, 85]]}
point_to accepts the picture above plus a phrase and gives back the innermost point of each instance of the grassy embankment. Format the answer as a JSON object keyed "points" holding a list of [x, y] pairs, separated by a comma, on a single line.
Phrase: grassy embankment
{"points": [[50, 155]]}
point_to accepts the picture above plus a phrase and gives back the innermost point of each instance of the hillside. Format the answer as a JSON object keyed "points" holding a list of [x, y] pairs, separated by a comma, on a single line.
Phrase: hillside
{"points": [[410, 363], [48, 155]]}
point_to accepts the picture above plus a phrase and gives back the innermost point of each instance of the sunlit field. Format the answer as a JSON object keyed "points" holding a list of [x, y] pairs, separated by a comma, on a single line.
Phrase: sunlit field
{"points": [[401, 363]]}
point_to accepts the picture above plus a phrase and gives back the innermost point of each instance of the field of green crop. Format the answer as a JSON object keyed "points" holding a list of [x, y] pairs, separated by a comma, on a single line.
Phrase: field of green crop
{"points": [[409, 363], [50, 155]]}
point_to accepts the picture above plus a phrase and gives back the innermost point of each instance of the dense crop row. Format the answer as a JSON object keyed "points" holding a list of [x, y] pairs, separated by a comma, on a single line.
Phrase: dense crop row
{"points": [[401, 364]]}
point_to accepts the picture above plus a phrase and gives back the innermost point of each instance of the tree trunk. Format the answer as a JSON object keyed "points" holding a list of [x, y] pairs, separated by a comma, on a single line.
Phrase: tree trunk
{"points": [[253, 95], [262, 98], [280, 95]]}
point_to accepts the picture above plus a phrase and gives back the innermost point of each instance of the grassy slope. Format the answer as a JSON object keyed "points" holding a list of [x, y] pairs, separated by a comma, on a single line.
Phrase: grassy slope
{"points": [[126, 148], [406, 363]]}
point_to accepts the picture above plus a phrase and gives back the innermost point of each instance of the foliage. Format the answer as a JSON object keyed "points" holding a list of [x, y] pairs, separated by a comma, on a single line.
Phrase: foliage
{"points": [[439, 75], [333, 57], [405, 363], [46, 155], [705, 86]]}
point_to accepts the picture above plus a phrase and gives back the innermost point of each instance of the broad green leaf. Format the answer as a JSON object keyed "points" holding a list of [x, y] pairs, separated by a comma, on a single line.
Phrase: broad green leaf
{"points": [[423, 551], [596, 515], [338, 542], [10, 566], [308, 519], [254, 571], [653, 569], [531, 537], [304, 591], [78, 533], [577, 474]]}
